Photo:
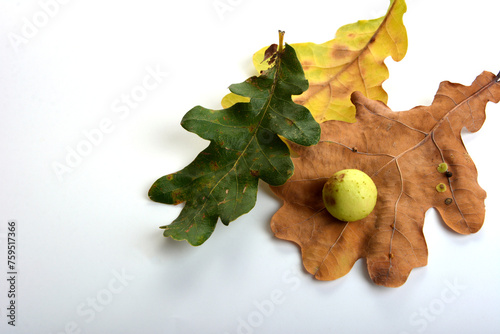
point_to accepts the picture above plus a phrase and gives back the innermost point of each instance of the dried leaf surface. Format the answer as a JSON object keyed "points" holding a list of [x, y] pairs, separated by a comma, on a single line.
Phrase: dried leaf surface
{"points": [[401, 152]]}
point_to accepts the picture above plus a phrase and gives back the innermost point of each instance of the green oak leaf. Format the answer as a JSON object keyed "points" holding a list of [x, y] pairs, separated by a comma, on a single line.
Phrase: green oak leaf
{"points": [[245, 146]]}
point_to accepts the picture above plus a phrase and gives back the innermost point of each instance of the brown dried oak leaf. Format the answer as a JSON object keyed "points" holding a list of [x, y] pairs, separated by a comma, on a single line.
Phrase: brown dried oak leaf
{"points": [[401, 152]]}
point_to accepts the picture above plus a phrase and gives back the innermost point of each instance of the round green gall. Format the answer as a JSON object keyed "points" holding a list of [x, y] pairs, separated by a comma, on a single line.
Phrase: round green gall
{"points": [[443, 167], [441, 187], [350, 195]]}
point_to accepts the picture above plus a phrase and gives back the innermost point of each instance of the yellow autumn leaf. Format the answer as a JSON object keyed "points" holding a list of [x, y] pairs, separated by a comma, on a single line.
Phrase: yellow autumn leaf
{"points": [[352, 61]]}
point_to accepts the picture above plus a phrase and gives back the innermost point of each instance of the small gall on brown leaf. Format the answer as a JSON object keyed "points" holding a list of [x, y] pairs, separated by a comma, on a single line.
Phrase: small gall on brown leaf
{"points": [[441, 187], [443, 167]]}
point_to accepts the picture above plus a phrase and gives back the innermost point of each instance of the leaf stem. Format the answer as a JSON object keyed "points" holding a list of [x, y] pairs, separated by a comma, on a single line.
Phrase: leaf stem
{"points": [[280, 45]]}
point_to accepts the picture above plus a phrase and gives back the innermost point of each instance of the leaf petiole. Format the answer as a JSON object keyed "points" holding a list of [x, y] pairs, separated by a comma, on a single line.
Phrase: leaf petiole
{"points": [[281, 36]]}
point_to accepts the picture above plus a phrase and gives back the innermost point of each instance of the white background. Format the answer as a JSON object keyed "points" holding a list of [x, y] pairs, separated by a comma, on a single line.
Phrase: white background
{"points": [[91, 258]]}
